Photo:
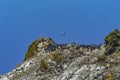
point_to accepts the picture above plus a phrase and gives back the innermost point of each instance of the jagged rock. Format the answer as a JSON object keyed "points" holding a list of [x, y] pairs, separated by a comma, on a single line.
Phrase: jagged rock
{"points": [[4, 78], [46, 60]]}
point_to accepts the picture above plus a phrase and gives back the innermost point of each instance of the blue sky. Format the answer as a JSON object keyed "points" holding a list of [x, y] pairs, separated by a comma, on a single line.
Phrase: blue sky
{"points": [[23, 21]]}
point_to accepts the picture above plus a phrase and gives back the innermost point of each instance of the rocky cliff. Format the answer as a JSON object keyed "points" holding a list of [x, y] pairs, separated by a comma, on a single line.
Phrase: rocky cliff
{"points": [[47, 60]]}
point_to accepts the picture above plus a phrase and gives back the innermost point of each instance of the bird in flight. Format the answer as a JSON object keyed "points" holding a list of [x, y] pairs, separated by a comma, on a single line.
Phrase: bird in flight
{"points": [[64, 33]]}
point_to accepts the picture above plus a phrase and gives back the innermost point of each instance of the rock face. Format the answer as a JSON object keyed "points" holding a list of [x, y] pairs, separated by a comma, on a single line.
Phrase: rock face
{"points": [[112, 42], [46, 60]]}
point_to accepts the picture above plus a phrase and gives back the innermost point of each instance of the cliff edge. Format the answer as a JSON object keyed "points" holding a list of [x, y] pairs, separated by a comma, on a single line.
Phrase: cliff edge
{"points": [[47, 60]]}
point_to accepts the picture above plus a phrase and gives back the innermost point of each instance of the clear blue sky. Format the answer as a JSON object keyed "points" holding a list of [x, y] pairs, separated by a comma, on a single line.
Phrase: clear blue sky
{"points": [[23, 21]]}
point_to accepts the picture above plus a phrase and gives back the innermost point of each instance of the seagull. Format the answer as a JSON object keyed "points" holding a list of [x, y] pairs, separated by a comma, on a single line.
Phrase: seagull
{"points": [[63, 33]]}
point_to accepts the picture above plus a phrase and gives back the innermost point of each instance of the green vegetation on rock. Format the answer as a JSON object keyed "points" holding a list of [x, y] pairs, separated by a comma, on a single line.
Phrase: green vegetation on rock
{"points": [[112, 41], [102, 58], [109, 76], [31, 50], [43, 65], [57, 57]]}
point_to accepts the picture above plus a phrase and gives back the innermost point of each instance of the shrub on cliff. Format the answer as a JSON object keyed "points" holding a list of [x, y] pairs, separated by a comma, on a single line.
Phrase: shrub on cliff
{"points": [[33, 48], [112, 41], [43, 65]]}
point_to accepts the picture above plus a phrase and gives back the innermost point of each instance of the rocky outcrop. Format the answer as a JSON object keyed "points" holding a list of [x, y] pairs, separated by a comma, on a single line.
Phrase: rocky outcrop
{"points": [[112, 42], [47, 60]]}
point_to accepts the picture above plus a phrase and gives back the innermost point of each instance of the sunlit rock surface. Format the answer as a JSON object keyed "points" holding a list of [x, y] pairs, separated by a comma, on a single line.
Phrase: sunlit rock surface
{"points": [[47, 60]]}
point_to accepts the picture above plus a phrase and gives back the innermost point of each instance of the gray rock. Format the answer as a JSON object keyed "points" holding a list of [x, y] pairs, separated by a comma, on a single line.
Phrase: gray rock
{"points": [[67, 62]]}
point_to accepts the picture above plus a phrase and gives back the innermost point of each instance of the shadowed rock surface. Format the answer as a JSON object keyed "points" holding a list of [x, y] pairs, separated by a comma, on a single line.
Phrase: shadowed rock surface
{"points": [[47, 60]]}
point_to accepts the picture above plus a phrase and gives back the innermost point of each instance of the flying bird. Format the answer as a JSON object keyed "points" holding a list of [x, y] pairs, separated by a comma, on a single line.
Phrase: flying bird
{"points": [[64, 33]]}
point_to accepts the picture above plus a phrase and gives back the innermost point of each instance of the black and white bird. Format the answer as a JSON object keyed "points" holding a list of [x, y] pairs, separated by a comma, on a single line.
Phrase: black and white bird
{"points": [[64, 33]]}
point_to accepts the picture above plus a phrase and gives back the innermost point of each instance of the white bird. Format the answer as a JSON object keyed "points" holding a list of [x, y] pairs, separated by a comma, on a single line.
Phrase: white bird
{"points": [[63, 33]]}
